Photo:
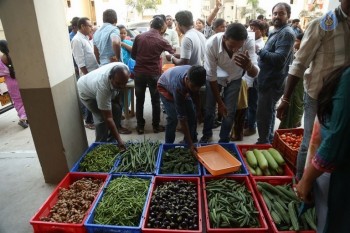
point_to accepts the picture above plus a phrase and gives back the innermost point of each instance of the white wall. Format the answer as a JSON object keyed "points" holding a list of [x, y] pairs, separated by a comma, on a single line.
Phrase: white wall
{"points": [[2, 33]]}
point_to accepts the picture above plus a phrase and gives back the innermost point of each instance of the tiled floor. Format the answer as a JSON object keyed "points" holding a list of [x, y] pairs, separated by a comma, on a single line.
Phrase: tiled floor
{"points": [[22, 187]]}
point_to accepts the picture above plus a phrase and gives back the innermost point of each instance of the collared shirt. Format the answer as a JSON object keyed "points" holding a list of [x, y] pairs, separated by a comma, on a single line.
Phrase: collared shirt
{"points": [[171, 36], [216, 56], [83, 52], [147, 49], [97, 85], [259, 44], [321, 52], [192, 47], [275, 58], [103, 41], [172, 86]]}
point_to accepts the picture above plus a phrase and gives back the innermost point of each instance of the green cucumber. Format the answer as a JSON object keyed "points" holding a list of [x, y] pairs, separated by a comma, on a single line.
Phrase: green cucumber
{"points": [[261, 159], [251, 159], [270, 160], [277, 156]]}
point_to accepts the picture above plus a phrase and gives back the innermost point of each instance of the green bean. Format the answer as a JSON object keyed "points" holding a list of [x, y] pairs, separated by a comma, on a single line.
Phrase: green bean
{"points": [[122, 202], [178, 161], [230, 204], [100, 159], [139, 157]]}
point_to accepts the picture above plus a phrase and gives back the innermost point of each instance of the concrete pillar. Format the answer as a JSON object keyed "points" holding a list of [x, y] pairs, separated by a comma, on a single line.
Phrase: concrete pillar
{"points": [[40, 49]]}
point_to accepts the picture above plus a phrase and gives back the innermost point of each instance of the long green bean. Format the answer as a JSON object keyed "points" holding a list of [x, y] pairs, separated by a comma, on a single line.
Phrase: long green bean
{"points": [[100, 159], [123, 202], [139, 157]]}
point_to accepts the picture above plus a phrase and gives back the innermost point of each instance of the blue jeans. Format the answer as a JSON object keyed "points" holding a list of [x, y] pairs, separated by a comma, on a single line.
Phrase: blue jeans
{"points": [[252, 106], [230, 98], [321, 190], [310, 110], [171, 119], [266, 114]]}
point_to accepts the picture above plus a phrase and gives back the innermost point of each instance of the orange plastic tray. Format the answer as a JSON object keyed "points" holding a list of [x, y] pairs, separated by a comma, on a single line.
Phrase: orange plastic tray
{"points": [[166, 67], [217, 160]]}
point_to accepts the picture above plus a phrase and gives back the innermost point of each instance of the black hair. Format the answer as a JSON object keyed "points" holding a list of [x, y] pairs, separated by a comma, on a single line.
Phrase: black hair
{"points": [[74, 22], [117, 69], [5, 50], [161, 16], [218, 22], [236, 31], [201, 20], [82, 21], [300, 36], [260, 17], [110, 16], [257, 23], [184, 18], [295, 20], [121, 26], [325, 96], [285, 5], [157, 23], [197, 75]]}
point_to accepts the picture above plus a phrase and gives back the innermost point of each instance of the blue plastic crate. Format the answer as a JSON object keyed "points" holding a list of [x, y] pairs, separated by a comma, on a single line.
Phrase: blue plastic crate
{"points": [[91, 147], [228, 147], [165, 147], [138, 173], [98, 228]]}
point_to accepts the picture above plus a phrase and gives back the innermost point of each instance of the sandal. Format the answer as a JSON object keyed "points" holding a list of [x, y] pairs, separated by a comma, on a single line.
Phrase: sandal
{"points": [[23, 123], [123, 130], [90, 126]]}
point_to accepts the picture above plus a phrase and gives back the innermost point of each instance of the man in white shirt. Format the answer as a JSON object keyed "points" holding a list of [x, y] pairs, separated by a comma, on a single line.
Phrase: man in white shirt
{"points": [[82, 49], [98, 91], [193, 42], [258, 27], [231, 53], [84, 58]]}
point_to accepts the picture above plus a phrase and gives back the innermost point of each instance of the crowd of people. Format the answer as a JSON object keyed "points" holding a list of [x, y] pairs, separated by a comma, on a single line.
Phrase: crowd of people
{"points": [[304, 72]]}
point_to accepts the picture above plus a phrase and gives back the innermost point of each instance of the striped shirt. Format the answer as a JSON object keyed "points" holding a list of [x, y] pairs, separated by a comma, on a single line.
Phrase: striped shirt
{"points": [[321, 52]]}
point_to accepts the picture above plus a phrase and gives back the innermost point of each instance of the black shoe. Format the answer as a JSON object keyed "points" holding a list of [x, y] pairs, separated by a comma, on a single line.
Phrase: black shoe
{"points": [[140, 130], [183, 141], [158, 128], [224, 141], [249, 132], [216, 124], [205, 139], [23, 123]]}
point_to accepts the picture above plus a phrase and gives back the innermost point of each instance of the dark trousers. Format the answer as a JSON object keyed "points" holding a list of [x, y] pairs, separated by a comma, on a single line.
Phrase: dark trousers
{"points": [[266, 114], [102, 132], [170, 128], [252, 106], [141, 83], [239, 123]]}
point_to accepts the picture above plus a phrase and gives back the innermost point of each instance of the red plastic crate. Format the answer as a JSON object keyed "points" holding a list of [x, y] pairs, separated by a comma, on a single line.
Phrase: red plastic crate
{"points": [[161, 179], [245, 179], [287, 152], [54, 227], [273, 181], [244, 148]]}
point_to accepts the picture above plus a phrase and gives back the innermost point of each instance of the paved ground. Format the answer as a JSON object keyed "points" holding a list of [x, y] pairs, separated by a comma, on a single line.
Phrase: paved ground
{"points": [[22, 187]]}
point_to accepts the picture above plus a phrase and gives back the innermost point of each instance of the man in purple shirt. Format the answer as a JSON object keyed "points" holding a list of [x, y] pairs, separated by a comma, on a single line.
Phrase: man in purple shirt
{"points": [[146, 50], [179, 88]]}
